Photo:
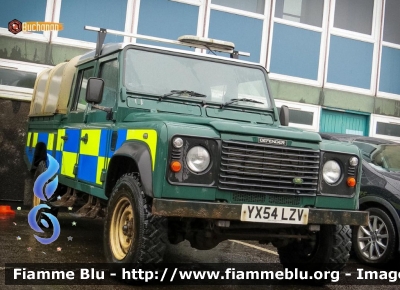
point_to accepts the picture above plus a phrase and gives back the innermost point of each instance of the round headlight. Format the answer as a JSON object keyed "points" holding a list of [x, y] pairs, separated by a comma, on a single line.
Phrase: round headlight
{"points": [[177, 142], [353, 161], [198, 159], [331, 172]]}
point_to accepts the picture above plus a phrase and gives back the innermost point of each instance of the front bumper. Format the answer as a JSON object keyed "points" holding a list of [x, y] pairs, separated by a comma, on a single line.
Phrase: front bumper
{"points": [[226, 211]]}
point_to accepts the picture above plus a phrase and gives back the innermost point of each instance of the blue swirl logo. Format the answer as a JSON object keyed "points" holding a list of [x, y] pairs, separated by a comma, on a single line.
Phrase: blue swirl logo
{"points": [[45, 192]]}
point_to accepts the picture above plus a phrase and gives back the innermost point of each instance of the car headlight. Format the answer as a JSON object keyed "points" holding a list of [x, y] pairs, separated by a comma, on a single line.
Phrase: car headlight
{"points": [[198, 159], [331, 172]]}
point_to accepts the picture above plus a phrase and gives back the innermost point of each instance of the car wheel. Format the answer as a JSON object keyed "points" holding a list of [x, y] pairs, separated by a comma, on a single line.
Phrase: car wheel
{"points": [[375, 243], [131, 233]]}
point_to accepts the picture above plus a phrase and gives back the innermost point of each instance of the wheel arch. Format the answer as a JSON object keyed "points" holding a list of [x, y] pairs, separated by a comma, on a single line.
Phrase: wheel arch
{"points": [[375, 201], [132, 156]]}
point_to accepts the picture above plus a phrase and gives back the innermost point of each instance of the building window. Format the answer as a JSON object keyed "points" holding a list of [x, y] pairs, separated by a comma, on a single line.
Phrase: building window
{"points": [[75, 14], [302, 116], [391, 32], [255, 6], [241, 22], [353, 45], [296, 41], [388, 129], [167, 19], [354, 15], [389, 83], [385, 127], [22, 11], [301, 11]]}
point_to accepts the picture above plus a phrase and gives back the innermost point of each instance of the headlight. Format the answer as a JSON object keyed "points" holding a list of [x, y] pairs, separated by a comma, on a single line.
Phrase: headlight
{"points": [[198, 159], [353, 161], [331, 172]]}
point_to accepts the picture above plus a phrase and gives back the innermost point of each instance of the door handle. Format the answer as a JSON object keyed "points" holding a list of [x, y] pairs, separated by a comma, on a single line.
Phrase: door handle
{"points": [[85, 138], [65, 138]]}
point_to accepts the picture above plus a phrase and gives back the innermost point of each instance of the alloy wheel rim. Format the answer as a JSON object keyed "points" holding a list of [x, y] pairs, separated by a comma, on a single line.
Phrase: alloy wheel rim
{"points": [[373, 239], [121, 229]]}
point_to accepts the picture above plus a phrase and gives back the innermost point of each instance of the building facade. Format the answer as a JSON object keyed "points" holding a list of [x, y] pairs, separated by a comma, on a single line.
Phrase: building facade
{"points": [[335, 63]]}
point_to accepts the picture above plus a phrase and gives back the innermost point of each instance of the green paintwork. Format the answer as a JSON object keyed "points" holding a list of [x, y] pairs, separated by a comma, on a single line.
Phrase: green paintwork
{"points": [[189, 116]]}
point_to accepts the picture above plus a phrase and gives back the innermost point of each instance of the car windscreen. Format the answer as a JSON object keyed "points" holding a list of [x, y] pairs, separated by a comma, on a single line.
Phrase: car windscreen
{"points": [[159, 73], [382, 157]]}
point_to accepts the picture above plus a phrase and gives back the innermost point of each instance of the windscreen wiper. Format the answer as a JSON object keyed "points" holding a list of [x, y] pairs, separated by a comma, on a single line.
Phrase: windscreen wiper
{"points": [[181, 92], [240, 100]]}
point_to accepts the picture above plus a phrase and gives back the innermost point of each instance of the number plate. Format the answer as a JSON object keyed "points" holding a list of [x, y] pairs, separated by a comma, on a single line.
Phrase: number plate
{"points": [[274, 214]]}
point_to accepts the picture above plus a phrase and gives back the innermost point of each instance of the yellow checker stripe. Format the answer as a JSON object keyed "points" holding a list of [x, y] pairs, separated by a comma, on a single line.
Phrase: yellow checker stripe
{"points": [[50, 142], [151, 141], [35, 138], [28, 139], [92, 146], [60, 142], [68, 163]]}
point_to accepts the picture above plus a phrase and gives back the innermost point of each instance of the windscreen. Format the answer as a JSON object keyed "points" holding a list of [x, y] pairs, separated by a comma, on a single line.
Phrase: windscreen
{"points": [[382, 157], [158, 74]]}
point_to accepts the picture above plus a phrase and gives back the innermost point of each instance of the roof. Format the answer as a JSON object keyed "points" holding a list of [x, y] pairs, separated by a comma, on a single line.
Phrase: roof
{"points": [[114, 47], [351, 138]]}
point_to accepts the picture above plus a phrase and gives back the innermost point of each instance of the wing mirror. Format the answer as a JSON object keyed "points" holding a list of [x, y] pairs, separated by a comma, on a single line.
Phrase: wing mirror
{"points": [[284, 115], [94, 90]]}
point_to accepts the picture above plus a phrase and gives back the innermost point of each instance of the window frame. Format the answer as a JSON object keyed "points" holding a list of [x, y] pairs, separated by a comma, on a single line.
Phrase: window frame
{"points": [[72, 108], [316, 110], [374, 39], [87, 44], [382, 43], [265, 17], [103, 61], [324, 33], [19, 93], [383, 119], [45, 36]]}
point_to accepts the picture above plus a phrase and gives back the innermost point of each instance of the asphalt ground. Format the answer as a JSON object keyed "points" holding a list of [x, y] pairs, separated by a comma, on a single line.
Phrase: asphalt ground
{"points": [[81, 241]]}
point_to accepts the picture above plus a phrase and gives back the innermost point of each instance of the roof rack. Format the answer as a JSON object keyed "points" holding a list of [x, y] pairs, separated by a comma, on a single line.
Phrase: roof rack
{"points": [[185, 40]]}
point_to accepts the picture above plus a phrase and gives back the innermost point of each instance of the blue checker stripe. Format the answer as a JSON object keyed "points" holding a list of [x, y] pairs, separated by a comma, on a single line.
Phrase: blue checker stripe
{"points": [[121, 138], [72, 144], [87, 168], [43, 137], [103, 142], [58, 158]]}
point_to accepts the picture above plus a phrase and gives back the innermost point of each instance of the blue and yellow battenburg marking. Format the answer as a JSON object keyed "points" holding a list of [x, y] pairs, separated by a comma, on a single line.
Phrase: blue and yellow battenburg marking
{"points": [[35, 137], [89, 148]]}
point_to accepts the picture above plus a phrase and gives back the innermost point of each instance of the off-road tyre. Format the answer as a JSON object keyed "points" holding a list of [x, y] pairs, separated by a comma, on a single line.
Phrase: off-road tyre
{"points": [[330, 251], [148, 236]]}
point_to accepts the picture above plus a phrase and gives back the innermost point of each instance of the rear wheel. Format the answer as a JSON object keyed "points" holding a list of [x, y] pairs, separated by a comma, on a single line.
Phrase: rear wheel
{"points": [[375, 243], [131, 233]]}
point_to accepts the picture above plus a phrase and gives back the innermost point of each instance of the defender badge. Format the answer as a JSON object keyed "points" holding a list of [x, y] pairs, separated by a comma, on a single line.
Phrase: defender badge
{"points": [[272, 141]]}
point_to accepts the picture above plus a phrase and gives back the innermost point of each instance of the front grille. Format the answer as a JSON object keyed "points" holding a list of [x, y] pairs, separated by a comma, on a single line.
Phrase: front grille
{"points": [[262, 198], [249, 167]]}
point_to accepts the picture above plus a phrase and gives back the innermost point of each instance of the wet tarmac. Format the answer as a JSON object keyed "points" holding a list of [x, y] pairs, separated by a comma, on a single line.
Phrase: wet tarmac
{"points": [[18, 245]]}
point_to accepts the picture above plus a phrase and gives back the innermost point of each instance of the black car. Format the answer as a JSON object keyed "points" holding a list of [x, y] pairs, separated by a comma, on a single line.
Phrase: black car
{"points": [[380, 195]]}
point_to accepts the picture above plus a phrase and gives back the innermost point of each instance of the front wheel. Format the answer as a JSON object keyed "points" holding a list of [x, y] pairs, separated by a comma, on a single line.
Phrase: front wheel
{"points": [[131, 233], [328, 250], [375, 243]]}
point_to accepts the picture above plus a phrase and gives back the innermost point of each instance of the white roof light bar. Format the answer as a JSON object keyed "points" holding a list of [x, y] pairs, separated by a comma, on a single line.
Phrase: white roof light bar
{"points": [[185, 40]]}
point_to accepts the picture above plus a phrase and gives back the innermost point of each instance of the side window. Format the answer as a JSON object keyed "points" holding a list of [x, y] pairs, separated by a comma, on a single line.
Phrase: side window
{"points": [[83, 76], [109, 73]]}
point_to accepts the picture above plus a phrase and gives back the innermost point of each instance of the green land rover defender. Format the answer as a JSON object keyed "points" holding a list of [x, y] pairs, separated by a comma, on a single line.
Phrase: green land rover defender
{"points": [[171, 145]]}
